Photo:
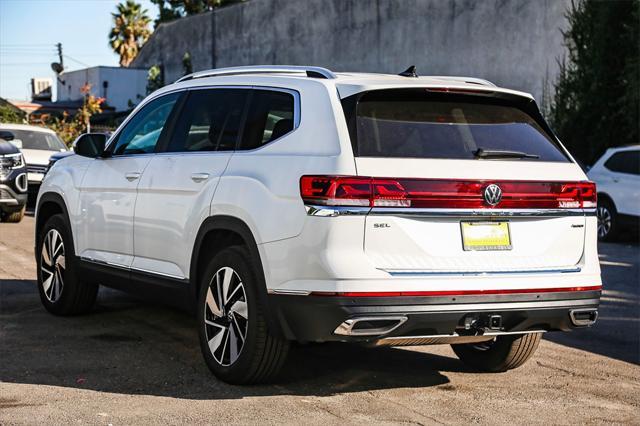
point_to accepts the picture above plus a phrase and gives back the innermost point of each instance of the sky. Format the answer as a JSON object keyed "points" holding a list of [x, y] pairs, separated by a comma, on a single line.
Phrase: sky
{"points": [[29, 30]]}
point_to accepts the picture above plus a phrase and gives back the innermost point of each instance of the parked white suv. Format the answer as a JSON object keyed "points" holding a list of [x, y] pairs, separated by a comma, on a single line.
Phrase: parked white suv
{"points": [[617, 174], [37, 145], [295, 204]]}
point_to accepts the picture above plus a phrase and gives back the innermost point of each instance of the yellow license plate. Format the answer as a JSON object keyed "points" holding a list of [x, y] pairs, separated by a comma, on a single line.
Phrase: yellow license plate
{"points": [[485, 236]]}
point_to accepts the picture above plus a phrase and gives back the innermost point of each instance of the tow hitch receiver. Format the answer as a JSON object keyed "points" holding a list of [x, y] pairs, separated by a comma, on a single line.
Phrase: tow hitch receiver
{"points": [[481, 323]]}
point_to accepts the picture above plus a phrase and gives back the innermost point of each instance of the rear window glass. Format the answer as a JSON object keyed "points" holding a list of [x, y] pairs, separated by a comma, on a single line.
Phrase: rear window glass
{"points": [[418, 124], [269, 118]]}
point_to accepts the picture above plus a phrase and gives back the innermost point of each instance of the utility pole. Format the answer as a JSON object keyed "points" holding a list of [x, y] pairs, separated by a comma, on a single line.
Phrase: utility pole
{"points": [[59, 46]]}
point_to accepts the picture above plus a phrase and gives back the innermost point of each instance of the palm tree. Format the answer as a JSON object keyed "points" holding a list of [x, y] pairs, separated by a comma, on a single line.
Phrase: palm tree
{"points": [[130, 31]]}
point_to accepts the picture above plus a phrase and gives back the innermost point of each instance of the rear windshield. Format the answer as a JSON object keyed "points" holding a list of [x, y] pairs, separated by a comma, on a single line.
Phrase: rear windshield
{"points": [[419, 124]]}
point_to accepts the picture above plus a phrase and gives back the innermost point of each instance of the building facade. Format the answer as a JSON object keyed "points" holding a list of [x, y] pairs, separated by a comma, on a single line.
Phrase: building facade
{"points": [[122, 88]]}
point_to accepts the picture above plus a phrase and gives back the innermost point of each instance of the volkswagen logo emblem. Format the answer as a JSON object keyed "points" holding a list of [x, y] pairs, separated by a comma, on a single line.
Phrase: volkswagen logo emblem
{"points": [[492, 194]]}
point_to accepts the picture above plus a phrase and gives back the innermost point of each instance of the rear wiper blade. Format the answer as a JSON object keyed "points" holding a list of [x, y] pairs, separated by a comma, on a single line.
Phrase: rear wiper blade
{"points": [[495, 153]]}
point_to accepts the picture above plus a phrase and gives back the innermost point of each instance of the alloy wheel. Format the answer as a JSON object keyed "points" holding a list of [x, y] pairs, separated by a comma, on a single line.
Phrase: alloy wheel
{"points": [[226, 316], [604, 221], [52, 265]]}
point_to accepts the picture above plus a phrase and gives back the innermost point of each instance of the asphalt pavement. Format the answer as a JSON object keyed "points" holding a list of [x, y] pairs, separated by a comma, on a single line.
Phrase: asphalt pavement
{"points": [[132, 362]]}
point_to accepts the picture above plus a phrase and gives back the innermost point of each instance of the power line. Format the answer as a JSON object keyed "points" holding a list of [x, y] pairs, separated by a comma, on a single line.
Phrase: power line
{"points": [[77, 61], [25, 44], [3, 64]]}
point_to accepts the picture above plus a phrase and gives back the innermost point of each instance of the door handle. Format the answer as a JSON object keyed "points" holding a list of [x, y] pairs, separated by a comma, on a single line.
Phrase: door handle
{"points": [[199, 177], [616, 180], [131, 176]]}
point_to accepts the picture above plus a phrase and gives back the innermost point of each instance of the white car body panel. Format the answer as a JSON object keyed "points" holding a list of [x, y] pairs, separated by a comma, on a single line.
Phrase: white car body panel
{"points": [[623, 188], [170, 203], [66, 182], [151, 224], [107, 201]]}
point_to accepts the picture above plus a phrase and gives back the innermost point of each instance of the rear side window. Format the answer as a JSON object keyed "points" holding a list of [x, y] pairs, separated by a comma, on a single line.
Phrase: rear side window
{"points": [[418, 124], [209, 121], [624, 162], [270, 116]]}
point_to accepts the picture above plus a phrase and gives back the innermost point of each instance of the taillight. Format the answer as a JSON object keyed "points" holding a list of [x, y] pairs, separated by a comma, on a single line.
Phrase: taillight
{"points": [[434, 193]]}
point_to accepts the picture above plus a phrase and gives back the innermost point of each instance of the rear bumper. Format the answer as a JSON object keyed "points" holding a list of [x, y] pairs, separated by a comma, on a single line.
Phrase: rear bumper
{"points": [[323, 318]]}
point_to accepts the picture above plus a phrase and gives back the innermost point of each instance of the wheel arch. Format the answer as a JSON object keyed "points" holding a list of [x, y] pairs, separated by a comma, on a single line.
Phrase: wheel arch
{"points": [[217, 233], [49, 204], [602, 196]]}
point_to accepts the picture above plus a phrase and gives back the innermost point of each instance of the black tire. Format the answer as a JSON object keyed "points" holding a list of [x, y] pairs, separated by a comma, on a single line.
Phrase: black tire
{"points": [[14, 217], [74, 296], [607, 220], [501, 354], [260, 356]]}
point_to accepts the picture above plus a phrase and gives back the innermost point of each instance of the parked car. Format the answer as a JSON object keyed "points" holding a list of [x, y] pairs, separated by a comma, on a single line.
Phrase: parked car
{"points": [[13, 180], [296, 204], [617, 174], [37, 145]]}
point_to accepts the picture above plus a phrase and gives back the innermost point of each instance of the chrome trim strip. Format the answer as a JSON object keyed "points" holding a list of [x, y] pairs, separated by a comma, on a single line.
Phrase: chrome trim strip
{"points": [[487, 333], [346, 328], [467, 307], [481, 212], [131, 269], [161, 274], [296, 117], [404, 273], [104, 262], [289, 292], [332, 211]]}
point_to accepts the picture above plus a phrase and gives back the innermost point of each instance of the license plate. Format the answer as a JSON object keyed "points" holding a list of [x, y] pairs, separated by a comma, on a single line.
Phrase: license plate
{"points": [[485, 236]]}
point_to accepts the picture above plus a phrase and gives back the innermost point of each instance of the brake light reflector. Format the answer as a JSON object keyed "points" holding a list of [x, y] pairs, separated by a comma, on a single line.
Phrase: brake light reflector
{"points": [[438, 193]]}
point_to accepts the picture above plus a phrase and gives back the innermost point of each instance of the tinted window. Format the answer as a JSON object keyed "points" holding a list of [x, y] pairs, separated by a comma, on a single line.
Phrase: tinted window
{"points": [[30, 139], [624, 162], [209, 121], [270, 116], [417, 124], [141, 134]]}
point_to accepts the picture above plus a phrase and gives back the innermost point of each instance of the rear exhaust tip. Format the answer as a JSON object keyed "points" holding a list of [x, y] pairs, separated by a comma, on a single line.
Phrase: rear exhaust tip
{"points": [[370, 326], [583, 317]]}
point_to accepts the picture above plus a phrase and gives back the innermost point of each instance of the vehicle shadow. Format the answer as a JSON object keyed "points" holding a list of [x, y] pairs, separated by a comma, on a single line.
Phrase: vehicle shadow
{"points": [[131, 347], [617, 331]]}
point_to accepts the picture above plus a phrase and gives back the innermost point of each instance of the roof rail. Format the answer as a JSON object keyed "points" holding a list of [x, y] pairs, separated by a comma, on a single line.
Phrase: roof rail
{"points": [[316, 72], [471, 80]]}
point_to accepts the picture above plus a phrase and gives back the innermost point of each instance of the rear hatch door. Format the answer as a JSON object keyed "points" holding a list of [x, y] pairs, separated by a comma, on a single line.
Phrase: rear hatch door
{"points": [[466, 183]]}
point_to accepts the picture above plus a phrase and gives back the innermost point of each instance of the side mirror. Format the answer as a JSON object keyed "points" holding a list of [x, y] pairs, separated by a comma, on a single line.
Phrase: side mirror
{"points": [[90, 145], [6, 135]]}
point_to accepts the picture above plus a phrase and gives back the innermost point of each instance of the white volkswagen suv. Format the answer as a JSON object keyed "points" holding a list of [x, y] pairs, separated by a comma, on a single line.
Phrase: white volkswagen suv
{"points": [[297, 204]]}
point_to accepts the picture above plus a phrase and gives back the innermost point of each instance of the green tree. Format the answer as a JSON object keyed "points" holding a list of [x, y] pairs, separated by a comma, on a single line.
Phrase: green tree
{"points": [[174, 9], [70, 127], [155, 78], [187, 66], [597, 97], [130, 31], [9, 115]]}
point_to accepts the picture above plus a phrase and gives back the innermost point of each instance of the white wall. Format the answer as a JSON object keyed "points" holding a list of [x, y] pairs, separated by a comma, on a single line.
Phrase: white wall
{"points": [[125, 85]]}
